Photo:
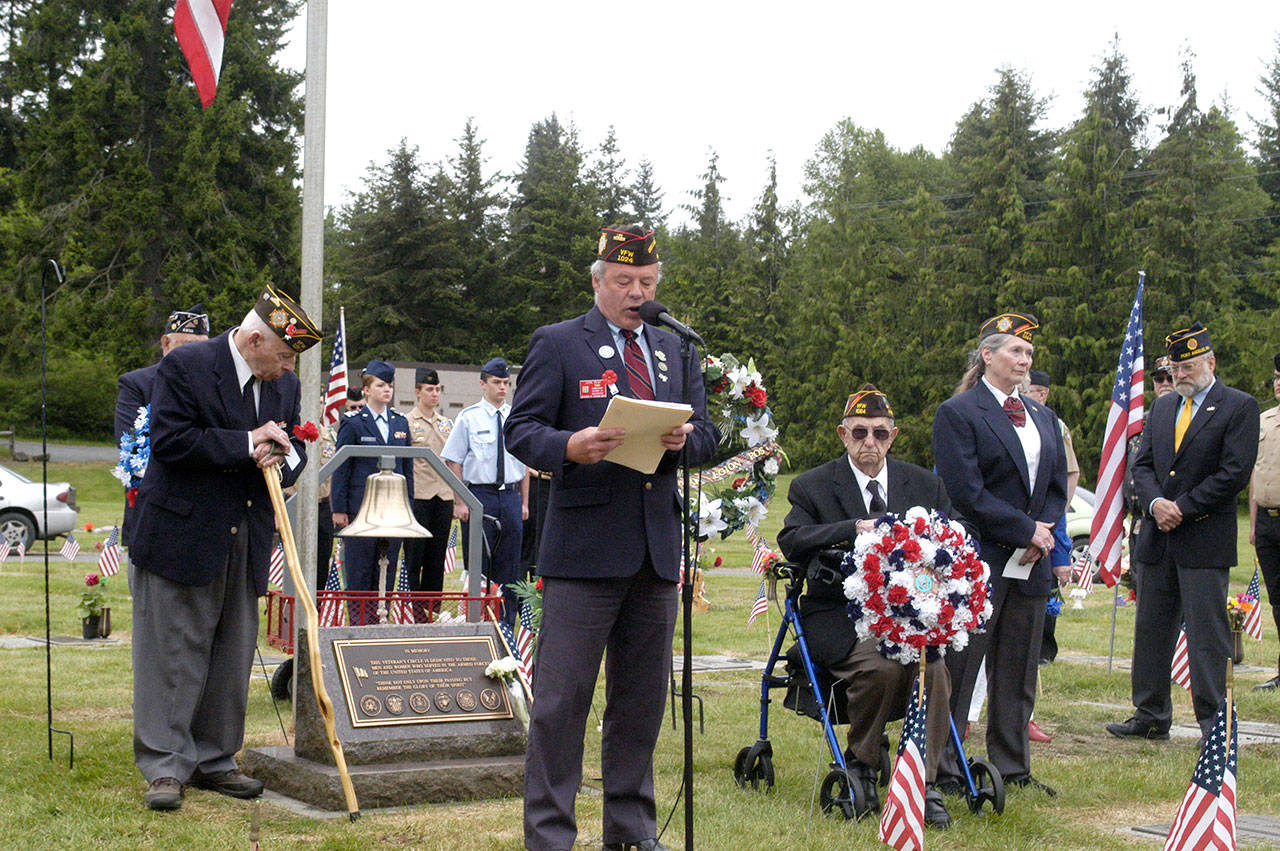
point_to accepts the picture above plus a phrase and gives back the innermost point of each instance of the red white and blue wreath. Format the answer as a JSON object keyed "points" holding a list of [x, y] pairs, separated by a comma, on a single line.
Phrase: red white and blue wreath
{"points": [[916, 582]]}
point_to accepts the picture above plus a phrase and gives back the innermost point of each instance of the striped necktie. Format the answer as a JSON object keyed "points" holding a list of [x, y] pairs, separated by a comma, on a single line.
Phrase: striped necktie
{"points": [[637, 370]]}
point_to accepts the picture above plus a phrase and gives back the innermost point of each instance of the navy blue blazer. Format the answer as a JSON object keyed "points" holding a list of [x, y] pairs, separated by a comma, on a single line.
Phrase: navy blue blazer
{"points": [[601, 518], [980, 459], [1203, 477], [359, 429], [202, 487]]}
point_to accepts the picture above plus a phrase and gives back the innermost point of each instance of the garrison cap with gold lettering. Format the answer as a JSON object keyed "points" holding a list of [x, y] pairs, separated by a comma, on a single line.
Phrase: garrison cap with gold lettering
{"points": [[1163, 364], [634, 245], [287, 318], [193, 321], [1188, 343], [867, 402], [1022, 325]]}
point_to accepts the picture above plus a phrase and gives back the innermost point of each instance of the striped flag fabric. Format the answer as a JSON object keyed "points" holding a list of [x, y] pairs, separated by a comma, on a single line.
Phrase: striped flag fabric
{"points": [[22, 551], [401, 607], [70, 547], [1084, 575], [109, 561], [335, 397], [525, 639], [275, 569], [201, 28], [332, 612], [902, 820], [1181, 673], [1253, 620], [522, 668], [752, 534], [4, 549], [757, 560], [450, 550], [1124, 420], [760, 606], [1207, 816]]}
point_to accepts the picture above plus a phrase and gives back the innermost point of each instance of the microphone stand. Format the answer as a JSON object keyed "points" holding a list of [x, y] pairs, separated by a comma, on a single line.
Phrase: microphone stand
{"points": [[686, 597]]}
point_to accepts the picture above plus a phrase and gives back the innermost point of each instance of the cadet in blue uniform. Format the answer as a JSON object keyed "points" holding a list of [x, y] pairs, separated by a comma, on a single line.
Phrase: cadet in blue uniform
{"points": [[477, 454], [376, 424]]}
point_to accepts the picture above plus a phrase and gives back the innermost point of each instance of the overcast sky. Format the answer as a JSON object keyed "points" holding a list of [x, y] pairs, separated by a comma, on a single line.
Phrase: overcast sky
{"points": [[677, 79]]}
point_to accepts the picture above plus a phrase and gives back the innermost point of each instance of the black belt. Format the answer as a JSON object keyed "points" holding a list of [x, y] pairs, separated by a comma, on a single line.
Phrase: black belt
{"points": [[509, 486]]}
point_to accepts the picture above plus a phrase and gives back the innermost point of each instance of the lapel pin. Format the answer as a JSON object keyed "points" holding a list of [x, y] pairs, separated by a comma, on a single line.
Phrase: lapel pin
{"points": [[605, 352], [662, 366], [661, 355], [1211, 409], [662, 376]]}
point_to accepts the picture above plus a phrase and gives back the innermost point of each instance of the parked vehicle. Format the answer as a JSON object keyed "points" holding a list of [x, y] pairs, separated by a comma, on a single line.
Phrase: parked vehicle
{"points": [[22, 508], [1079, 521]]}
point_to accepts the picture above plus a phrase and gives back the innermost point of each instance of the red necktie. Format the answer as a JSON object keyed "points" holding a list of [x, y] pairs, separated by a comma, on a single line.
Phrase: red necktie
{"points": [[1017, 413], [637, 371]]}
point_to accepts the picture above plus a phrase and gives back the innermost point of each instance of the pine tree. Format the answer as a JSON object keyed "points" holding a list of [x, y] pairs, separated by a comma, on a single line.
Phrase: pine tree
{"points": [[646, 198], [475, 205], [607, 178]]}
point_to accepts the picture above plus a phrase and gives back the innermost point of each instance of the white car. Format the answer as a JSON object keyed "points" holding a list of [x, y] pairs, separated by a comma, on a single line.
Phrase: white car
{"points": [[22, 509]]}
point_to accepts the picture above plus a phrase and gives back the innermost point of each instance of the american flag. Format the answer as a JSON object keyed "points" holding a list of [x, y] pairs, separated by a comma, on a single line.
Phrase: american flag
{"points": [[1124, 420], [525, 640], [4, 549], [1181, 673], [201, 28], [1253, 620], [22, 551], [1207, 817], [335, 398], [752, 534], [522, 668], [1084, 573], [902, 821], [402, 608], [760, 606], [275, 570], [109, 561], [70, 548], [757, 560], [331, 611], [450, 551]]}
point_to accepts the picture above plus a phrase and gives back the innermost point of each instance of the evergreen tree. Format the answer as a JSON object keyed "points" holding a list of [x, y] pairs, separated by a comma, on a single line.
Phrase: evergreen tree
{"points": [[607, 178], [475, 205], [1268, 128], [646, 198]]}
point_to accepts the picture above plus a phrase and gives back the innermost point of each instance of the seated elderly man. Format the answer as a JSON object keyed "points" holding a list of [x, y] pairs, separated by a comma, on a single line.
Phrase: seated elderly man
{"points": [[830, 506]]}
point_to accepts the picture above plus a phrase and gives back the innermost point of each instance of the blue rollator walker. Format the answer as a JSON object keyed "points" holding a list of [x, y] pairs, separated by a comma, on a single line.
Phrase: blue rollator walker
{"points": [[812, 691]]}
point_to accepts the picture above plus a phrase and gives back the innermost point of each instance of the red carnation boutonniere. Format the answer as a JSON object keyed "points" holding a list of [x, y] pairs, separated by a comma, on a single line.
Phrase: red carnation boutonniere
{"points": [[609, 377], [308, 432]]}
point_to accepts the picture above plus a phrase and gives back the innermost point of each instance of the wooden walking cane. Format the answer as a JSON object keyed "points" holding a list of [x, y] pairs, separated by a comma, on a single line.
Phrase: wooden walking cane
{"points": [[272, 475]]}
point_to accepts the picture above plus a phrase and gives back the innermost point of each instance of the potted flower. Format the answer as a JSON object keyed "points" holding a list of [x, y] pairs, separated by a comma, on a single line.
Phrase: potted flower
{"points": [[1238, 608], [95, 615]]}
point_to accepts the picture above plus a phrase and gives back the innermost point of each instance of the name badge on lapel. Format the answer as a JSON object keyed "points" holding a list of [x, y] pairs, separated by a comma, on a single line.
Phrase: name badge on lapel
{"points": [[365, 438], [591, 388]]}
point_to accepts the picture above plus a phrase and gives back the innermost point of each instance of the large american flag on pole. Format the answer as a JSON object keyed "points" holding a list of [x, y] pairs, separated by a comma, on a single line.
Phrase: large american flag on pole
{"points": [[1253, 620], [902, 821], [201, 27], [1124, 420], [1207, 817], [335, 397], [109, 561]]}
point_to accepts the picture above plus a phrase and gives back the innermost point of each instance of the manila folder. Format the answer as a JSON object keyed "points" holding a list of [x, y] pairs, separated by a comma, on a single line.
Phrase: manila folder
{"points": [[641, 449]]}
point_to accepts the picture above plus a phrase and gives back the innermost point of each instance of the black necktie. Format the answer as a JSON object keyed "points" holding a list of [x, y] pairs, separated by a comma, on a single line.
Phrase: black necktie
{"points": [[250, 405], [877, 505], [502, 451]]}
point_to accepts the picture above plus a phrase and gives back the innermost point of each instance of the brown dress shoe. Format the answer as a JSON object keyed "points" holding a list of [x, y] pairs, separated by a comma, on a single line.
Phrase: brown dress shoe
{"points": [[164, 793], [232, 783]]}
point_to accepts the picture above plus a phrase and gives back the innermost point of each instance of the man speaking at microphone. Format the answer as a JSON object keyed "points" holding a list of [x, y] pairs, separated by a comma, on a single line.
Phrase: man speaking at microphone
{"points": [[610, 553]]}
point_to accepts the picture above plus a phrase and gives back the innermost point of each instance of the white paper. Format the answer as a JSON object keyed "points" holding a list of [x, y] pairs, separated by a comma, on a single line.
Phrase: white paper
{"points": [[292, 458], [1013, 570], [645, 421]]}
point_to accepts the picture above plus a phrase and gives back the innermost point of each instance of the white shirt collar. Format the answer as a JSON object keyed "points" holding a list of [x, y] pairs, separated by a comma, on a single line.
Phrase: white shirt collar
{"points": [[882, 477], [243, 371], [493, 409], [998, 393]]}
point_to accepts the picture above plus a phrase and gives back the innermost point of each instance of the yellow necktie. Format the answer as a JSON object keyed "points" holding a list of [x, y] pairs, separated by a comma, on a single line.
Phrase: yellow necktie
{"points": [[1184, 422]]}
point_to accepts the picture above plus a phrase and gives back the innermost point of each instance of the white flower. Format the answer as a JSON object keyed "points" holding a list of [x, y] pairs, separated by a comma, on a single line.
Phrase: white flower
{"points": [[752, 509], [855, 587], [709, 520], [1079, 593], [930, 607], [915, 513], [758, 431], [771, 466], [742, 379], [501, 668]]}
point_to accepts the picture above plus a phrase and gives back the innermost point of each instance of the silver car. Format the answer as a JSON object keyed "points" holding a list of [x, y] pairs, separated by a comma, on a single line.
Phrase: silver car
{"points": [[22, 509]]}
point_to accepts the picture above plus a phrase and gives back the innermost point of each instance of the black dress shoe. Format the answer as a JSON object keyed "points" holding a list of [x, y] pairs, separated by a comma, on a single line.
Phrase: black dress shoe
{"points": [[1027, 781], [935, 811], [1269, 685], [231, 783], [866, 775], [164, 793], [642, 845], [1134, 728]]}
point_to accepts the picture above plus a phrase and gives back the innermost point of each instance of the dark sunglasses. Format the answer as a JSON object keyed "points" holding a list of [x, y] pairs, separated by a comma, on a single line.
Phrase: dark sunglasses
{"points": [[1161, 378], [861, 432]]}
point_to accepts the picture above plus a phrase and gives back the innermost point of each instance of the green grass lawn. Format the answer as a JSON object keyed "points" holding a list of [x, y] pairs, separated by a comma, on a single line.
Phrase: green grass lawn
{"points": [[1104, 784]]}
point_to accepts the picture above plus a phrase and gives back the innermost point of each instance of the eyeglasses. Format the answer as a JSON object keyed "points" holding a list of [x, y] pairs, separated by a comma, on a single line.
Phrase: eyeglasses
{"points": [[861, 432], [1162, 378]]}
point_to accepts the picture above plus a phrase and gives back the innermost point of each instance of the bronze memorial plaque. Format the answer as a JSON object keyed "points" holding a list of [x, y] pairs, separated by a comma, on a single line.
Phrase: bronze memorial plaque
{"points": [[420, 680]]}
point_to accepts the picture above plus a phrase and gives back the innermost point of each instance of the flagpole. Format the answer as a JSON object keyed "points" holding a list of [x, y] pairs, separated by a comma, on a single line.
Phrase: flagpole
{"points": [[312, 274]]}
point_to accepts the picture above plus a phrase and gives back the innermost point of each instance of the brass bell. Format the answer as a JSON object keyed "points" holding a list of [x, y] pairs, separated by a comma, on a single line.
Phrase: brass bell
{"points": [[385, 511]]}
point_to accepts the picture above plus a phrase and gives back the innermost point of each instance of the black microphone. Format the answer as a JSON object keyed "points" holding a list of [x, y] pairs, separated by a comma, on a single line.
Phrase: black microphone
{"points": [[655, 313]]}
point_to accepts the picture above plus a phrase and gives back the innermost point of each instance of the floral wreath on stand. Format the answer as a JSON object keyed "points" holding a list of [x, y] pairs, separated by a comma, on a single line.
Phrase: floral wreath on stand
{"points": [[135, 454], [915, 582], [738, 403]]}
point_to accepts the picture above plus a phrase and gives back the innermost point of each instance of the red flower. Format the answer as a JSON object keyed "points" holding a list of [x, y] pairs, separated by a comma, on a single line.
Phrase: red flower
{"points": [[875, 603], [91, 579], [898, 595], [957, 570], [911, 550], [719, 561], [883, 625], [131, 496], [538, 584], [308, 432], [756, 396], [88, 527], [917, 641], [946, 613], [739, 482], [900, 532], [921, 525], [870, 563], [609, 377]]}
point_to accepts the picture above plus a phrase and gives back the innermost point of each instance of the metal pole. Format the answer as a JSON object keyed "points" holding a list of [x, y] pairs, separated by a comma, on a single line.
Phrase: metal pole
{"points": [[312, 277]]}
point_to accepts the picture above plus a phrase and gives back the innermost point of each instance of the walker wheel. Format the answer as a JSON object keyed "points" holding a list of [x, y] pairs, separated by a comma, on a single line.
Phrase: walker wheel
{"points": [[989, 785], [843, 793], [753, 769]]}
